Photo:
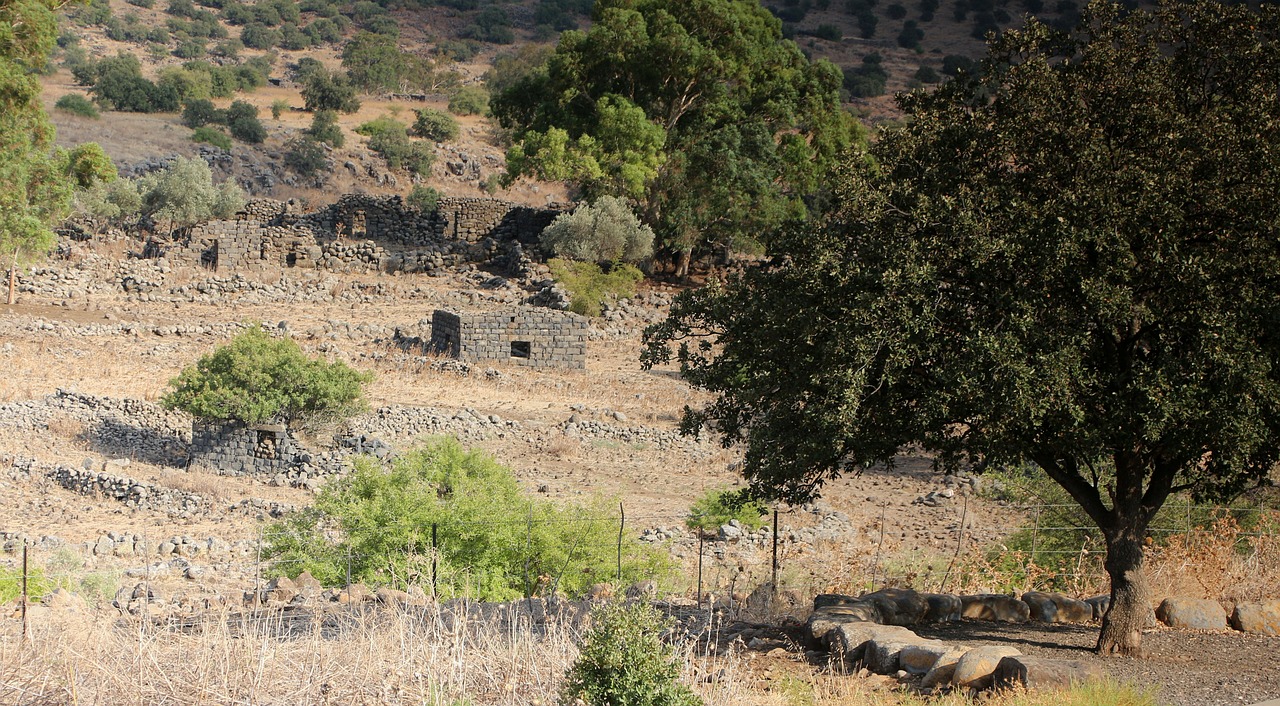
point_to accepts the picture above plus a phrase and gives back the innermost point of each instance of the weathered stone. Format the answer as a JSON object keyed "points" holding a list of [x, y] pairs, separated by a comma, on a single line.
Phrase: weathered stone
{"points": [[823, 620], [920, 658], [943, 608], [393, 597], [975, 668], [897, 606], [281, 590], [1192, 613], [851, 640], [1257, 618], [1040, 673], [1099, 604], [1057, 608], [307, 585], [882, 654], [943, 669], [996, 607]]}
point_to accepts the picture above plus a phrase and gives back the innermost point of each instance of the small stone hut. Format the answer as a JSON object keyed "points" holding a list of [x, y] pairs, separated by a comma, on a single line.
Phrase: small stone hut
{"points": [[531, 336], [235, 448]]}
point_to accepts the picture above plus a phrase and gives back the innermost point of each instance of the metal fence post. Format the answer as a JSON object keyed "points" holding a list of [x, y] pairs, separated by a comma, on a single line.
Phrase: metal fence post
{"points": [[774, 579], [1035, 538], [700, 541], [435, 552]]}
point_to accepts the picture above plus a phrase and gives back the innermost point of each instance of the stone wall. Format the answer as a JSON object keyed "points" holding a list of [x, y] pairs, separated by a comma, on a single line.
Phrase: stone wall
{"points": [[237, 449], [357, 232], [539, 338], [134, 494]]}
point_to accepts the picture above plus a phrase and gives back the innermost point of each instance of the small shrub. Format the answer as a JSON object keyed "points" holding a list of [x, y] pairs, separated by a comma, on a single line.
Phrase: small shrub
{"points": [[829, 32], [38, 585], [306, 157], [278, 107], [603, 232], [201, 112], [325, 128], [927, 74], [910, 36], [435, 125], [212, 136], [242, 121], [423, 198], [77, 104], [954, 64], [896, 11], [867, 80], [88, 164], [624, 661], [471, 100], [326, 90], [255, 379], [591, 286], [718, 507]]}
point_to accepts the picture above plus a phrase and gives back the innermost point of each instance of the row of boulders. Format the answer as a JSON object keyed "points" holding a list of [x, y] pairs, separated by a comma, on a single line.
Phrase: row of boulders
{"points": [[134, 494], [580, 427], [1259, 618], [133, 544]]}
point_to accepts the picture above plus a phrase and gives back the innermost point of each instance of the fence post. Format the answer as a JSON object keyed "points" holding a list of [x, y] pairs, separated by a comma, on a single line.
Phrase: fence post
{"points": [[700, 540], [1035, 538], [622, 522], [24, 590], [774, 579], [875, 569], [348, 567], [435, 551]]}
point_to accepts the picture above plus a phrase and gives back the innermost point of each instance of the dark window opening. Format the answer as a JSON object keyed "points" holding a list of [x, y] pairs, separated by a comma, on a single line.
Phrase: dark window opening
{"points": [[520, 349], [291, 260], [267, 445]]}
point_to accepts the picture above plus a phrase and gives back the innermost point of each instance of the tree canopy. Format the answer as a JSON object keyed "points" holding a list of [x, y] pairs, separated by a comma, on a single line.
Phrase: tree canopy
{"points": [[698, 109], [37, 190], [256, 378], [1070, 260]]}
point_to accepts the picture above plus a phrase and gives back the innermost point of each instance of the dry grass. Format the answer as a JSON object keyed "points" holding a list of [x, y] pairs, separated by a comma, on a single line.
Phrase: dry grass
{"points": [[1222, 561]]}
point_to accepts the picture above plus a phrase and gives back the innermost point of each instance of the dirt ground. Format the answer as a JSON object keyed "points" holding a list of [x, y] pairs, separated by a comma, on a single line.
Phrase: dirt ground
{"points": [[1184, 667]]}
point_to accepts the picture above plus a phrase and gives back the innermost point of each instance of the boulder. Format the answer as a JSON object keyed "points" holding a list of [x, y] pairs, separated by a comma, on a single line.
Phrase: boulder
{"points": [[850, 640], [1099, 604], [308, 586], [975, 669], [996, 607], [354, 593], [883, 653], [943, 669], [897, 606], [920, 658], [280, 590], [392, 597], [943, 608], [823, 620], [1057, 608], [1193, 613], [824, 600], [1039, 673], [1257, 618]]}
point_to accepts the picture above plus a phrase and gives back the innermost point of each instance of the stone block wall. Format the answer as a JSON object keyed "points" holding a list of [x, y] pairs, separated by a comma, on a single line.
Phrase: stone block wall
{"points": [[233, 448], [538, 338]]}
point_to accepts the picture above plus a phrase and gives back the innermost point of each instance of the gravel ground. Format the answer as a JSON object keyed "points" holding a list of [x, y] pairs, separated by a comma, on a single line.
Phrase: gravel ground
{"points": [[1186, 668]]}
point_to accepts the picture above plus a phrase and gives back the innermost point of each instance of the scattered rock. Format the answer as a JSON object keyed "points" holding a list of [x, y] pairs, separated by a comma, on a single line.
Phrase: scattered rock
{"points": [[1193, 613]]}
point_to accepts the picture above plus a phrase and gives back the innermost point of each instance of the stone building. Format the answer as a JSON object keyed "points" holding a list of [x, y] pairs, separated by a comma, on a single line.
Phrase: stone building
{"points": [[234, 448], [535, 337]]}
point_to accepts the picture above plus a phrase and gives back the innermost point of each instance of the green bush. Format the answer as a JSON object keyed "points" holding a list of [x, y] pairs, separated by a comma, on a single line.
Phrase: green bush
{"points": [[38, 585], [326, 90], [494, 542], [927, 74], [88, 164], [718, 507], [324, 128], [389, 138], [212, 136], [184, 193], [259, 36], [77, 104], [603, 232], [306, 157], [201, 112], [381, 125], [624, 661], [118, 84], [242, 121], [279, 106], [590, 286], [423, 198], [867, 80], [115, 200], [471, 100], [255, 379], [435, 125]]}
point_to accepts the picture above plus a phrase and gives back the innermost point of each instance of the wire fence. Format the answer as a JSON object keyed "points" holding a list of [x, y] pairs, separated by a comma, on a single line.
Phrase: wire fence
{"points": [[1026, 547]]}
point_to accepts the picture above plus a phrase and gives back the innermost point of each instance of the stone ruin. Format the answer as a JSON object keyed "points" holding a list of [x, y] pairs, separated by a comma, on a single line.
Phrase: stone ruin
{"points": [[358, 232], [533, 337], [234, 448]]}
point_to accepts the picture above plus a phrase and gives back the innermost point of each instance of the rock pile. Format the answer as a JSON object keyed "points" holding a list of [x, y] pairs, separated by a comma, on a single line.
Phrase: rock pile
{"points": [[134, 494]]}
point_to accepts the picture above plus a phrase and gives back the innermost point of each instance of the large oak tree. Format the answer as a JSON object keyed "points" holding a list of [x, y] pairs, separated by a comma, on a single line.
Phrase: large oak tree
{"points": [[1071, 259], [698, 109]]}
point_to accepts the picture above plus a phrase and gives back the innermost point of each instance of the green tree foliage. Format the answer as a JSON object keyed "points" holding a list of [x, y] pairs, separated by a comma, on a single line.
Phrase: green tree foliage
{"points": [[591, 286], [603, 232], [77, 104], [423, 198], [435, 125], [624, 661], [867, 80], [213, 136], [327, 90], [719, 507], [698, 110], [389, 138], [36, 192], [88, 164], [114, 200], [325, 128], [1070, 272], [472, 100], [373, 61], [184, 193], [119, 85], [243, 122], [494, 542], [306, 157], [200, 112], [256, 378]]}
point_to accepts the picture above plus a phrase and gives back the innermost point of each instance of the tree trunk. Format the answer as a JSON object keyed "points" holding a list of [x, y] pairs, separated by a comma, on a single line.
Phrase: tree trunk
{"points": [[682, 263], [1130, 596]]}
